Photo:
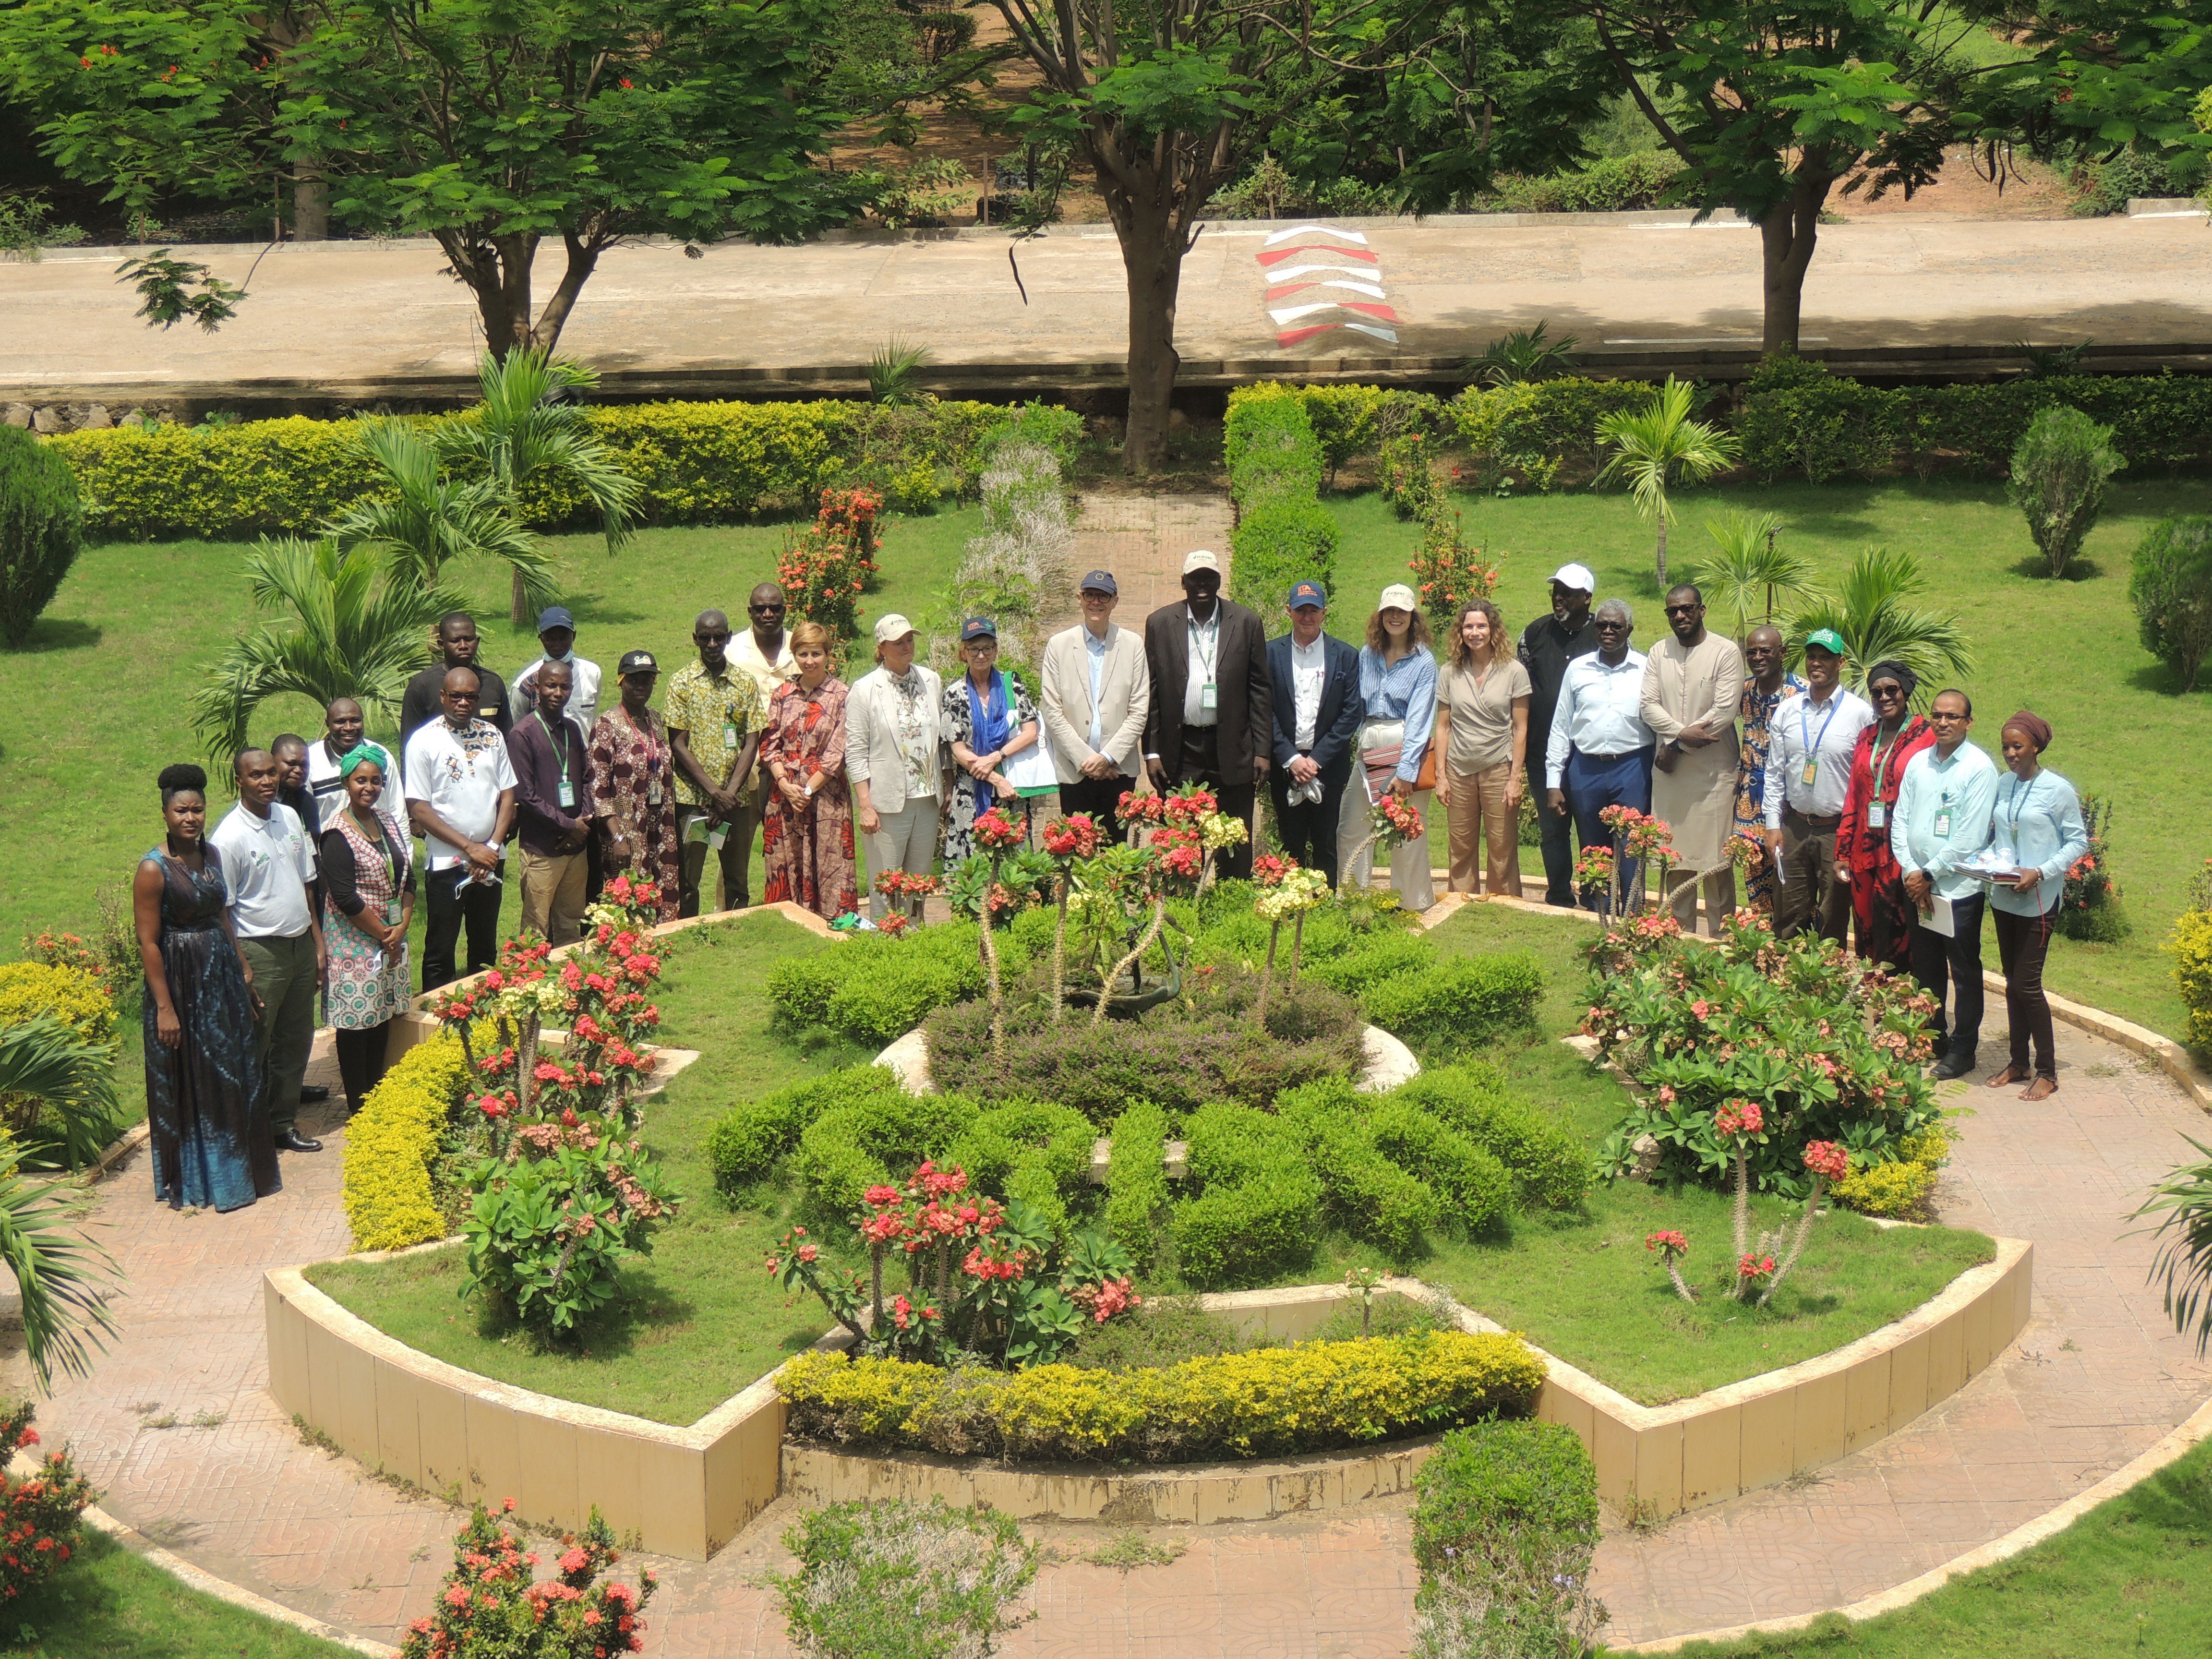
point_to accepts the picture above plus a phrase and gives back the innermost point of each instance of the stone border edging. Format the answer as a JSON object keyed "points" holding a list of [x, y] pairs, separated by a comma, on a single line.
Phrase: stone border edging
{"points": [[2196, 1427]]}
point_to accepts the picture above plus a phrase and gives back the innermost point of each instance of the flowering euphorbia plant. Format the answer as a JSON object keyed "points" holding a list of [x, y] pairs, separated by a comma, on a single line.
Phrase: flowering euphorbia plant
{"points": [[1672, 1246], [492, 1601], [1069, 842]]}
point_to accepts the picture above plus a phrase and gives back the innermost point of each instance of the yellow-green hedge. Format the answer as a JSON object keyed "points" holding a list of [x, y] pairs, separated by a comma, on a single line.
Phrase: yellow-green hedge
{"points": [[2191, 949], [390, 1144], [1267, 1403], [28, 989], [699, 462]]}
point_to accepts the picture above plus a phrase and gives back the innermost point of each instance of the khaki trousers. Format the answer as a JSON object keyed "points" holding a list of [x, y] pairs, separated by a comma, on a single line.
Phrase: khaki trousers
{"points": [[553, 894], [1477, 805]]}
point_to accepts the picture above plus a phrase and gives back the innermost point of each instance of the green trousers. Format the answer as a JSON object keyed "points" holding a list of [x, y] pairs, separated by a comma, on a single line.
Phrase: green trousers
{"points": [[284, 1031]]}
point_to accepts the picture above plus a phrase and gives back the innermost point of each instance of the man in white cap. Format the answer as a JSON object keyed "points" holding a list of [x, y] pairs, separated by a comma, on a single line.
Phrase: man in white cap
{"points": [[1547, 646], [1097, 692], [1213, 711], [1693, 683], [895, 758]]}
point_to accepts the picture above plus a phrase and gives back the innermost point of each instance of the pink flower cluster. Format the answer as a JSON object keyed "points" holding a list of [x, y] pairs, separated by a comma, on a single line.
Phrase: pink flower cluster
{"points": [[1828, 1158], [1673, 1243]]}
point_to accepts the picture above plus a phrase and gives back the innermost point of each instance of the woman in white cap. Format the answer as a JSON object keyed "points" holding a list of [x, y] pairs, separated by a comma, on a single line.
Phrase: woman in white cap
{"points": [[895, 759], [1398, 686]]}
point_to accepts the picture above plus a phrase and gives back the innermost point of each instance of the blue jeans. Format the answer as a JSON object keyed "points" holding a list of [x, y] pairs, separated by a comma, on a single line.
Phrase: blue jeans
{"points": [[1594, 782]]}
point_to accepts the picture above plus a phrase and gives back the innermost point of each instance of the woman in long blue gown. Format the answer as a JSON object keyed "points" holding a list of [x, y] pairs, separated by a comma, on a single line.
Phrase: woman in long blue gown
{"points": [[206, 1095]]}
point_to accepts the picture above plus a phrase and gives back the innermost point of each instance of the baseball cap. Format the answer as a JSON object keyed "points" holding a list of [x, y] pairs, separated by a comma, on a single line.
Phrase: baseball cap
{"points": [[1202, 558], [1398, 597], [978, 628], [1308, 593], [636, 662], [1101, 580], [1576, 575], [1828, 640], [892, 626], [555, 615]]}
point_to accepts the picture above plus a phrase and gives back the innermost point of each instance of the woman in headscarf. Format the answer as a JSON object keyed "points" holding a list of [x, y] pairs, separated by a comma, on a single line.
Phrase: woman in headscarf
{"points": [[2038, 828], [369, 901], [1881, 913], [207, 1102]]}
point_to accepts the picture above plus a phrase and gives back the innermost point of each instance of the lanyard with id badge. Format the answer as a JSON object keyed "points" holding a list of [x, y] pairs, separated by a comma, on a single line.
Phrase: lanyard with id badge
{"points": [[1812, 744], [1208, 698], [568, 796]]}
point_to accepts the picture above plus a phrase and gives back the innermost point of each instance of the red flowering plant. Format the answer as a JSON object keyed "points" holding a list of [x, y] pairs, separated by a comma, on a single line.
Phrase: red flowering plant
{"points": [[826, 567], [626, 905], [1829, 1049], [979, 1275], [492, 1605], [1136, 807], [1672, 1246], [39, 1511]]}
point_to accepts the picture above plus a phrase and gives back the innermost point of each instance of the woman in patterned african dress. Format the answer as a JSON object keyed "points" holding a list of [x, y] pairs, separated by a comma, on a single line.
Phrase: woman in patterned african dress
{"points": [[368, 899], [806, 832], [633, 785]]}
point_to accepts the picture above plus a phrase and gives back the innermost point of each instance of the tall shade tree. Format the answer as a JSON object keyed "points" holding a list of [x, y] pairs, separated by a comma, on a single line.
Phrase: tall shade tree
{"points": [[350, 627], [1659, 446], [1870, 612], [1771, 106], [493, 126]]}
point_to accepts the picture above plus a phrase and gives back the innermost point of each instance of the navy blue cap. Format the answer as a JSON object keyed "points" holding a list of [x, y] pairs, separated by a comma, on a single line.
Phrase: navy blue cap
{"points": [[978, 628], [1308, 593], [1101, 580], [555, 615]]}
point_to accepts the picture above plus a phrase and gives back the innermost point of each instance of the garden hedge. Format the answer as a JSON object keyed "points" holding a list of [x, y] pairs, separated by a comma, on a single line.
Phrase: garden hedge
{"points": [[876, 987], [30, 990], [1367, 1192], [1315, 1396], [1459, 1005], [1259, 1201], [875, 1141], [1137, 1180], [391, 1143], [1499, 1492], [755, 1135], [1028, 1149], [1550, 1166]]}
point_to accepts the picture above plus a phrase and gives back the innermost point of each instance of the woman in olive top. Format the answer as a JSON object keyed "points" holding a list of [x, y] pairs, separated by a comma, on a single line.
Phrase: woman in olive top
{"points": [[1482, 725], [2039, 826]]}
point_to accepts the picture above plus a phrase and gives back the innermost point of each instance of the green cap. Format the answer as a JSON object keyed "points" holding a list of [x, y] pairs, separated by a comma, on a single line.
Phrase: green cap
{"points": [[1828, 640]]}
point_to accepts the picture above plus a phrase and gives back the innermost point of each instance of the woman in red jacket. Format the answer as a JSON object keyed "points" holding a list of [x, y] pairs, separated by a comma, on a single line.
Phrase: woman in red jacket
{"points": [[1879, 906]]}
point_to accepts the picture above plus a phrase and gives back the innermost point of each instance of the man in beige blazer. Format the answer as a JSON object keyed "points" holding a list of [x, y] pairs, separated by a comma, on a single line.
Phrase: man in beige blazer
{"points": [[1096, 694]]}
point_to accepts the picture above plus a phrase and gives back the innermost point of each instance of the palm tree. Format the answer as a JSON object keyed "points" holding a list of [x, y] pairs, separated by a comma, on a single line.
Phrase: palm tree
{"points": [[357, 629], [1750, 573], [2183, 1263], [524, 429], [1658, 445], [425, 519], [52, 1072], [1876, 624], [1525, 355], [64, 1276], [894, 373]]}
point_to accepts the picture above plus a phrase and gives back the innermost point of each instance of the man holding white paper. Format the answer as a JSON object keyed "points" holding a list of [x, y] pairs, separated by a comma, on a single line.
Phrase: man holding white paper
{"points": [[1944, 808]]}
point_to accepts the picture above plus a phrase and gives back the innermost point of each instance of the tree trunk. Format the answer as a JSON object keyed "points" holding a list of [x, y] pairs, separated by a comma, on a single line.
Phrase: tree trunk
{"points": [[310, 203], [518, 609], [1152, 259], [1663, 546], [583, 260], [1788, 233]]}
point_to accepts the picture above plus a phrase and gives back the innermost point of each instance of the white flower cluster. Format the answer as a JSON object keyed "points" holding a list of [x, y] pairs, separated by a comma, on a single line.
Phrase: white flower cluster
{"points": [[1300, 891]]}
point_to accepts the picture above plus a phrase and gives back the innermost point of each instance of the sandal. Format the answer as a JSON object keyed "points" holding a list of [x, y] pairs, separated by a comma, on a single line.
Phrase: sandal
{"points": [[2010, 1075], [2042, 1089]]}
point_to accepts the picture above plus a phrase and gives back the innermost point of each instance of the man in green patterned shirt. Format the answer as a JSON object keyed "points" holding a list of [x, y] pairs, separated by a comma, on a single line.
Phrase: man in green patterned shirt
{"points": [[714, 715]]}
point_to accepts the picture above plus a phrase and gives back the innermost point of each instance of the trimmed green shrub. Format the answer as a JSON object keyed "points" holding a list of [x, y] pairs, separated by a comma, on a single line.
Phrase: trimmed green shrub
{"points": [[891, 998], [1550, 1167], [1802, 419], [1460, 1005], [2171, 588], [1496, 1489], [1258, 1208], [1045, 426], [2059, 472], [1472, 1181], [1272, 453], [1137, 1180], [1538, 435], [1375, 958], [876, 987], [1275, 545], [875, 1141], [1030, 1149], [41, 530], [754, 1136], [1366, 1192], [1611, 184]]}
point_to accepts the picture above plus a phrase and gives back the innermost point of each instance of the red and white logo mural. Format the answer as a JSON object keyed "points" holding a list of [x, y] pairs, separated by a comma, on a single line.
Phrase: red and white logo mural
{"points": [[1331, 278]]}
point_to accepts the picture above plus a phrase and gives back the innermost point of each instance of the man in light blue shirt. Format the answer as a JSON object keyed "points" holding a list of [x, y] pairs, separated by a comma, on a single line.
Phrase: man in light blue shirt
{"points": [[1599, 753], [1944, 807]]}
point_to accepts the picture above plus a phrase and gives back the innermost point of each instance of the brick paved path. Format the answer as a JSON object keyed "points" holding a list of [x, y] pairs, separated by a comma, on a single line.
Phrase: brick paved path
{"points": [[2096, 1377]]}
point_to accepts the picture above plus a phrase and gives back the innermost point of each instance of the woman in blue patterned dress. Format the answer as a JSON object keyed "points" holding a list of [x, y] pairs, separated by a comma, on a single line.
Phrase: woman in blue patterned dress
{"points": [[206, 1095]]}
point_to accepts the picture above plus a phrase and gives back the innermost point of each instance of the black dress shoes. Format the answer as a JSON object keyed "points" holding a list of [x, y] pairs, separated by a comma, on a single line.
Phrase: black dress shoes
{"points": [[314, 1094], [1955, 1067], [291, 1140]]}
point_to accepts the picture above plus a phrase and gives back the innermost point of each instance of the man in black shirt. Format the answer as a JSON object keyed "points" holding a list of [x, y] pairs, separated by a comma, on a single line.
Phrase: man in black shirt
{"points": [[457, 645], [1547, 646]]}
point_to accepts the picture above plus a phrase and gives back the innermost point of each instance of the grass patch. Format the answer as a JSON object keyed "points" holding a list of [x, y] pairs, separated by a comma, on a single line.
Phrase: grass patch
{"points": [[2134, 1576], [109, 1604], [2067, 649]]}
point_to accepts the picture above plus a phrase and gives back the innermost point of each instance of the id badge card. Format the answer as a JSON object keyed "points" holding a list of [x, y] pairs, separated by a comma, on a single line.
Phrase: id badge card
{"points": [[1943, 823], [567, 793], [1812, 771], [1207, 698], [652, 791], [729, 736], [1877, 815]]}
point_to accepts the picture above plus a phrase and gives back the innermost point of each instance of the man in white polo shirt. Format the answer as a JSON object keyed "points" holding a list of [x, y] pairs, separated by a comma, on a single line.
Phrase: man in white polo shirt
{"points": [[267, 864], [460, 799]]}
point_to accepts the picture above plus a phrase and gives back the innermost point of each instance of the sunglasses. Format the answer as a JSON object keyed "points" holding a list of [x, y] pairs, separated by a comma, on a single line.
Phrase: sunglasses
{"points": [[1886, 690], [1613, 628], [1941, 719], [765, 609], [720, 636], [1681, 610]]}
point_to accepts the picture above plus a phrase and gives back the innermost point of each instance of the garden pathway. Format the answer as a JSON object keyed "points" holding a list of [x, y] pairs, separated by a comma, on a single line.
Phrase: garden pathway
{"points": [[226, 1482]]}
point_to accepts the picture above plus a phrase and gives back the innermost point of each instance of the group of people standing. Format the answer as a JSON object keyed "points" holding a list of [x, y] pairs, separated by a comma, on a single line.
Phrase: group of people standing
{"points": [[1878, 824]]}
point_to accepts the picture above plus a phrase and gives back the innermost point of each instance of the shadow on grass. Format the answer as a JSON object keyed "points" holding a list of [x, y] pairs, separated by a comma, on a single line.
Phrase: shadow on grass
{"points": [[642, 1314], [60, 633], [2160, 678], [2037, 569]]}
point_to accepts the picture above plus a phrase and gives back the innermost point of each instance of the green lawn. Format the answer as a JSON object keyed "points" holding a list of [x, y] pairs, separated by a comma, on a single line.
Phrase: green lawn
{"points": [[2068, 649], [2133, 1576], [700, 1319], [95, 707], [108, 1603]]}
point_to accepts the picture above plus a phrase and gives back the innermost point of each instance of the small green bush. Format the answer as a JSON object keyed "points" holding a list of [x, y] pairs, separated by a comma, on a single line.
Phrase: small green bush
{"points": [[1551, 1167], [891, 998], [1367, 1192], [1030, 1149], [2190, 947], [875, 1141], [1538, 435], [1473, 1181], [1460, 1005], [1803, 419], [896, 1579], [1611, 184], [41, 530], [1137, 1180], [2059, 473], [1272, 453], [1374, 959], [1258, 1209], [755, 1135], [1275, 545], [876, 987], [1166, 1331], [2171, 588], [1496, 1491]]}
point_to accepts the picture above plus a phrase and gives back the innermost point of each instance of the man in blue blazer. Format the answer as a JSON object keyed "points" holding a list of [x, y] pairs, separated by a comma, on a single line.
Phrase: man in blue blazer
{"points": [[1317, 710]]}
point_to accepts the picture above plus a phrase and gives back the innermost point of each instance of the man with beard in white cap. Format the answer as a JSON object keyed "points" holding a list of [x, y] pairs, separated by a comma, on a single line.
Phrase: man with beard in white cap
{"points": [[1213, 711], [1547, 646]]}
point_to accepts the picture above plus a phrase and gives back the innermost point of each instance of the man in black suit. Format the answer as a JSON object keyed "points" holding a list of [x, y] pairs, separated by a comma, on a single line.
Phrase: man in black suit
{"points": [[1211, 709], [1317, 709]]}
